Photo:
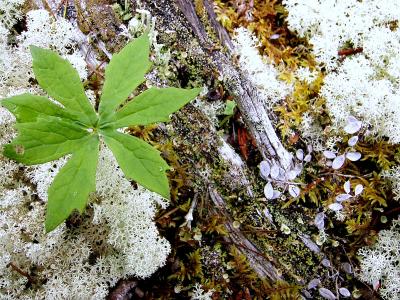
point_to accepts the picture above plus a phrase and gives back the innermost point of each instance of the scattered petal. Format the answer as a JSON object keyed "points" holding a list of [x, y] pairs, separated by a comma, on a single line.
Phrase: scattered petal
{"points": [[353, 156], [353, 125], [282, 174], [265, 169], [274, 171], [291, 175], [294, 191], [300, 154], [307, 158], [309, 148], [343, 197], [335, 206], [358, 189], [338, 162], [313, 284], [376, 284], [329, 154], [344, 292], [347, 268], [276, 195], [319, 221], [327, 294], [298, 168], [347, 186], [275, 36], [268, 191], [326, 263], [353, 141]]}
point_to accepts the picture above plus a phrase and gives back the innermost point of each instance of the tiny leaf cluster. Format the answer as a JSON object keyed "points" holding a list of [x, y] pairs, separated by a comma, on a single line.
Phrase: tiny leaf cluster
{"points": [[49, 130]]}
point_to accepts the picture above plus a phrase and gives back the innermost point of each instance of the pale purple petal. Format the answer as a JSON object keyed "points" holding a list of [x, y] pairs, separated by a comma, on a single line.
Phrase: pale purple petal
{"points": [[300, 154], [353, 125], [319, 221], [342, 197], [265, 169], [294, 191], [276, 195], [329, 154], [353, 141], [338, 162], [291, 175], [347, 186], [353, 156], [335, 206], [268, 191], [344, 292], [327, 294], [274, 171], [307, 158], [358, 189], [313, 283]]}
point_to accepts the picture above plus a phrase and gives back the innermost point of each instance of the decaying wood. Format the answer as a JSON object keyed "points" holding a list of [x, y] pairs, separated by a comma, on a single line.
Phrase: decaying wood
{"points": [[261, 265], [247, 97]]}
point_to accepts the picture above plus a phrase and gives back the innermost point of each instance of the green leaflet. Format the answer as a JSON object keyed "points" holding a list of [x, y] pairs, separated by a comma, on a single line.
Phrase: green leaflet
{"points": [[139, 161], [27, 108], [152, 106], [61, 81], [45, 140], [73, 184], [47, 131], [124, 74]]}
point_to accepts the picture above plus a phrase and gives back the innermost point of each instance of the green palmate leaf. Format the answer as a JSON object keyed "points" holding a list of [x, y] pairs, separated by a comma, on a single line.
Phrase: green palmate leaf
{"points": [[124, 73], [45, 140], [139, 161], [27, 108], [47, 131], [73, 184], [61, 81], [153, 105]]}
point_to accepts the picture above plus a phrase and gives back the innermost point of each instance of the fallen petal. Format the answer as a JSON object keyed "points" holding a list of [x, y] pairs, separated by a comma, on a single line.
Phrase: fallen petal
{"points": [[338, 162], [319, 221], [335, 206], [353, 141], [344, 292], [327, 294], [294, 191], [347, 186], [268, 191], [300, 154], [353, 156], [358, 189], [265, 169], [329, 154], [342, 197]]}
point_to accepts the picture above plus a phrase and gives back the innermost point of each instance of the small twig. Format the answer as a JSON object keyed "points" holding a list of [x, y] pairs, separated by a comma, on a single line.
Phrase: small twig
{"points": [[351, 51], [21, 272]]}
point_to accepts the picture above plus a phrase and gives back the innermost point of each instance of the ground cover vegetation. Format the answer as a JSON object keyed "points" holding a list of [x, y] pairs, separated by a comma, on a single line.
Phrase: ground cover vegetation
{"points": [[326, 71]]}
